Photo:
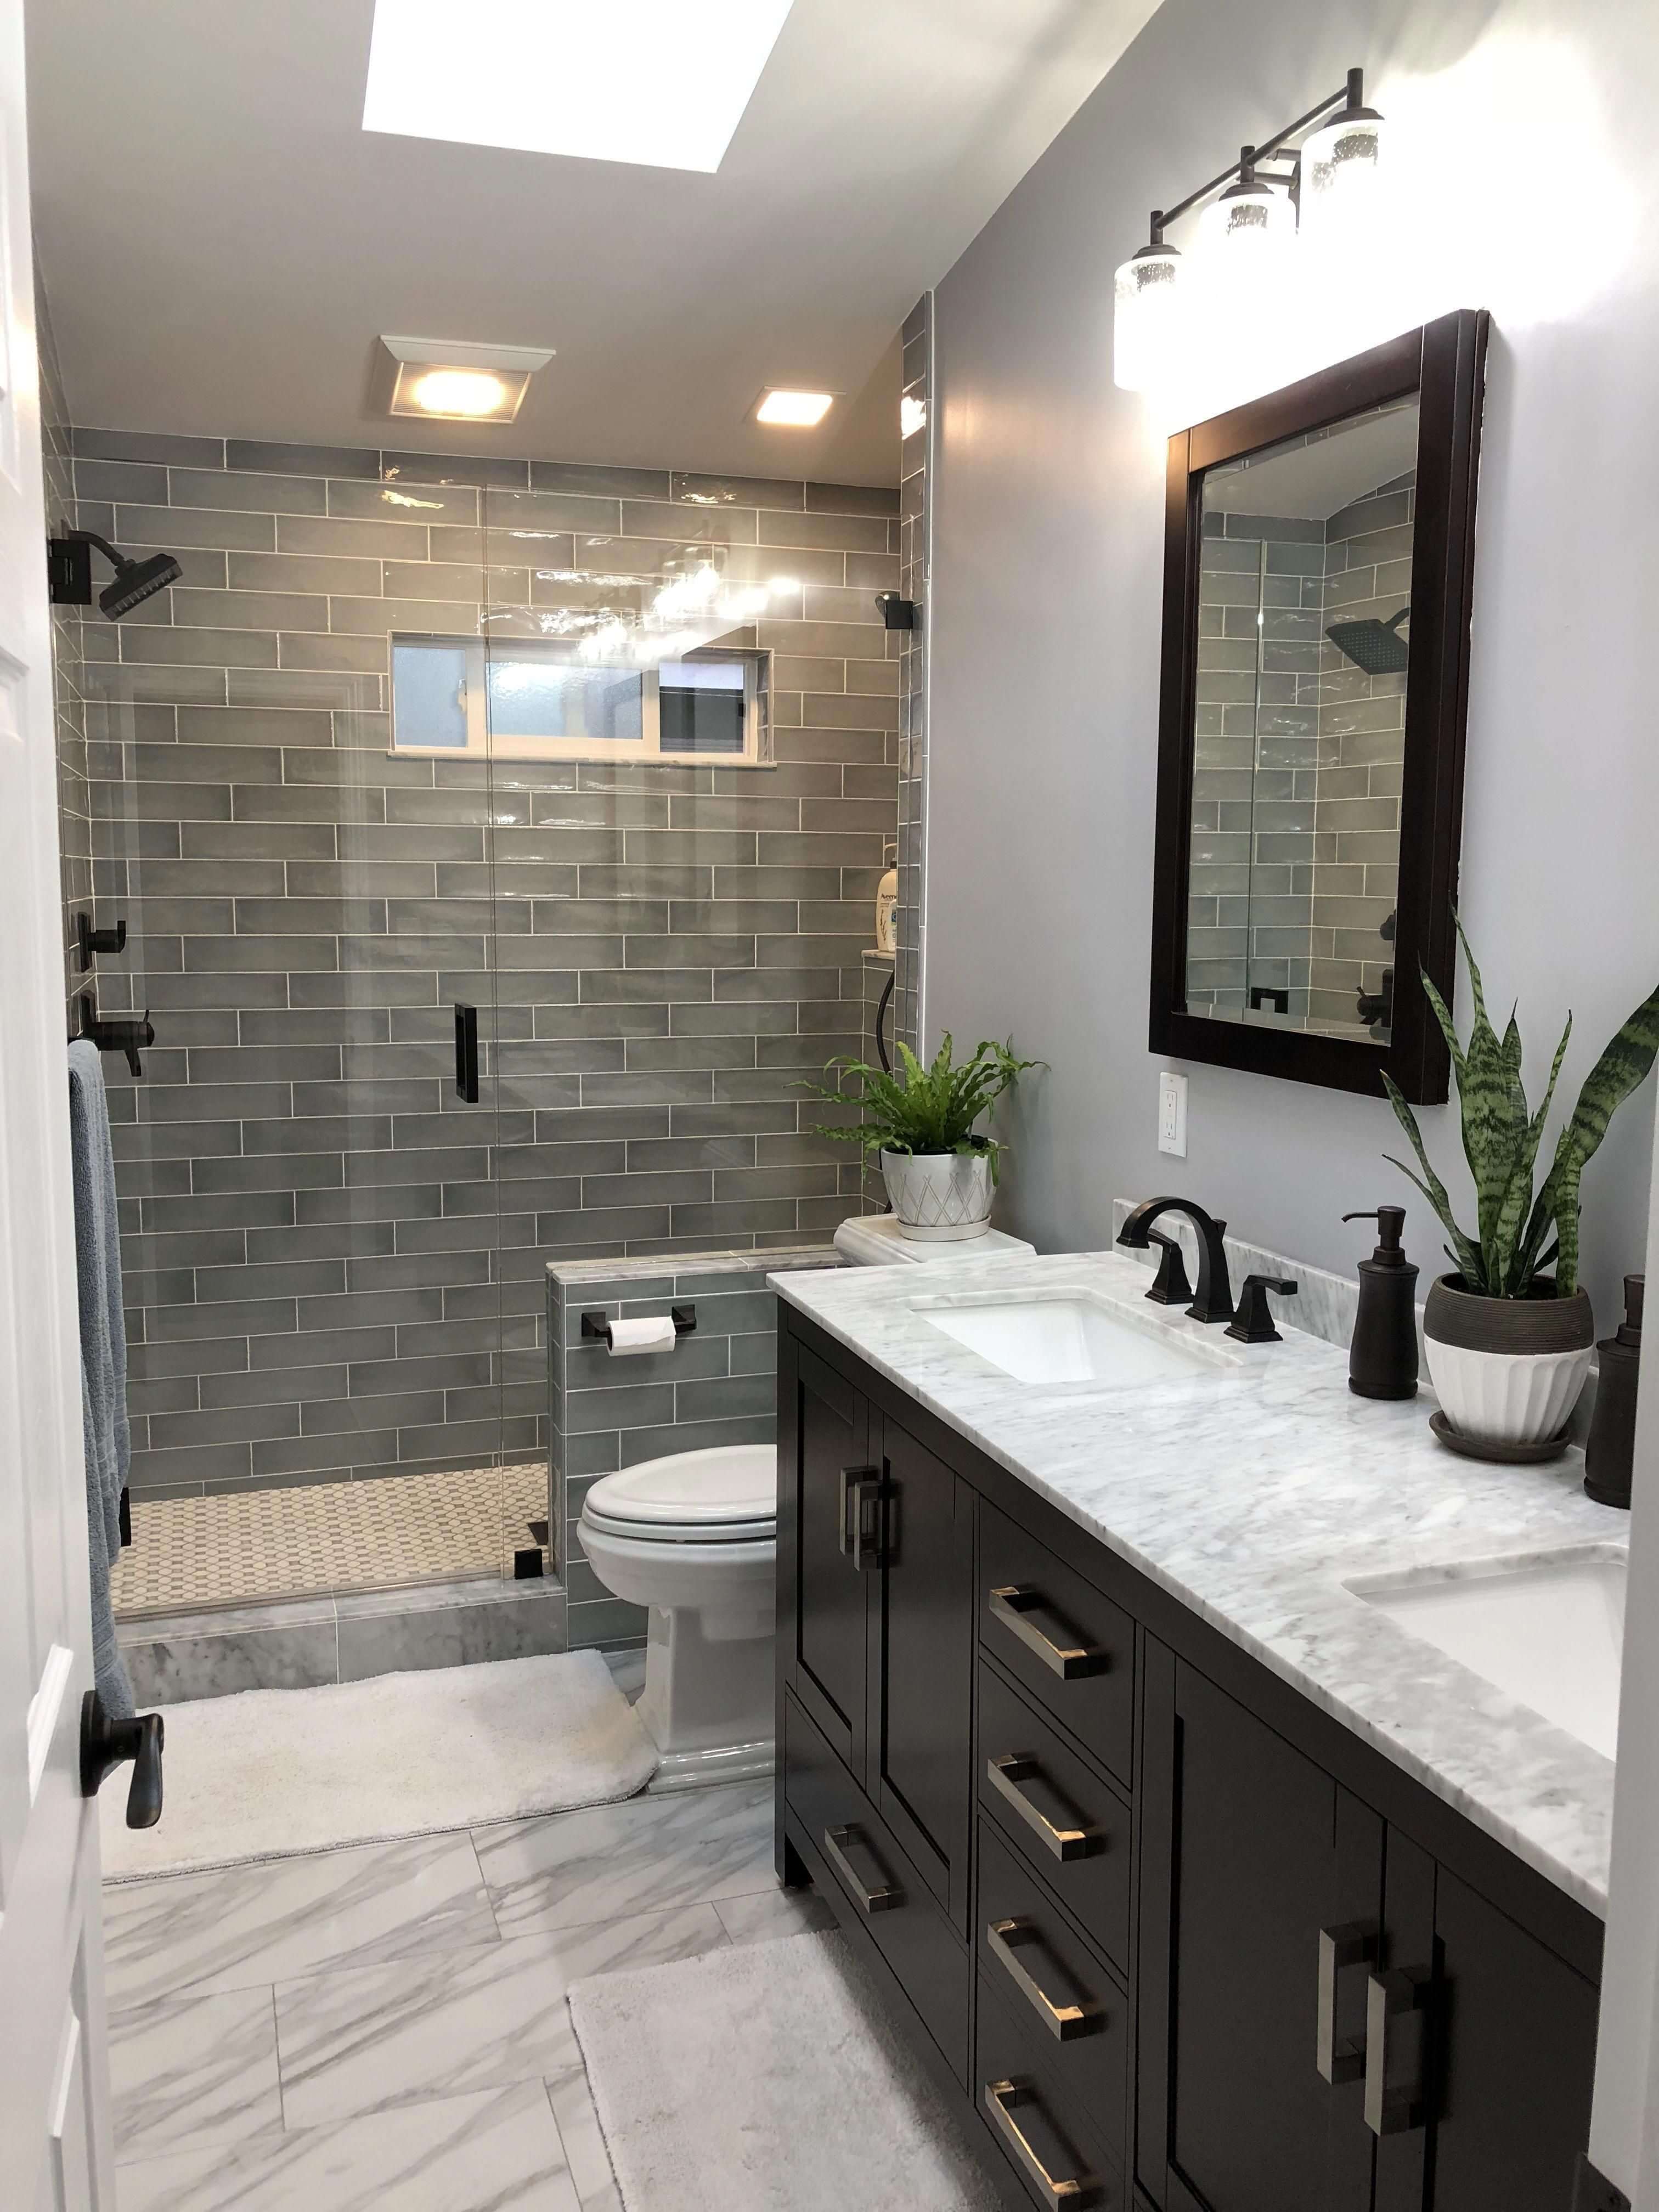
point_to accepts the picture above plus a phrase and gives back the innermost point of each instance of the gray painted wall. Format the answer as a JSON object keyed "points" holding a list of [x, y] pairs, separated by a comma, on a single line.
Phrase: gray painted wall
{"points": [[1044, 618]]}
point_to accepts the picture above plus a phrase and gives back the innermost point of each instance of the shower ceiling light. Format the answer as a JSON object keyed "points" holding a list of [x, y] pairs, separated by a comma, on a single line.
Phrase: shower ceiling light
{"points": [[1236, 296], [450, 380], [661, 83], [794, 410]]}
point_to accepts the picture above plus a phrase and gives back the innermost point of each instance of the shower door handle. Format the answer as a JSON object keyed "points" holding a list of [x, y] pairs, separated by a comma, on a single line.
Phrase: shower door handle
{"points": [[466, 1053]]}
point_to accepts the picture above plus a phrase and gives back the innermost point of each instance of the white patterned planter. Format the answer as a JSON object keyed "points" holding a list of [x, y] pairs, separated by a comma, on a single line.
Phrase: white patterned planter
{"points": [[1506, 1371], [939, 1197]]}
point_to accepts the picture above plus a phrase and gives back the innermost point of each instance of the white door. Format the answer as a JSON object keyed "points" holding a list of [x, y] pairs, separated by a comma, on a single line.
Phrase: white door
{"points": [[56, 2149]]}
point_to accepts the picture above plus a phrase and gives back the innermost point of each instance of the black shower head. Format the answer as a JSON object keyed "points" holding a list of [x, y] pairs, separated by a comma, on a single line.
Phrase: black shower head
{"points": [[136, 581], [68, 567], [1376, 648]]}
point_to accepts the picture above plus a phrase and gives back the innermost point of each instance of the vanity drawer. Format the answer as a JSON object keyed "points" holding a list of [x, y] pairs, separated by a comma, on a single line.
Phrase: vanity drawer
{"points": [[1066, 1824], [1029, 1950], [870, 1883], [1043, 2130], [1073, 1649]]}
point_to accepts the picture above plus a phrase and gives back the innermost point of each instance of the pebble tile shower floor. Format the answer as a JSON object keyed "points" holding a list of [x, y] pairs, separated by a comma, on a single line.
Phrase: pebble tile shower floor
{"points": [[317, 1540]]}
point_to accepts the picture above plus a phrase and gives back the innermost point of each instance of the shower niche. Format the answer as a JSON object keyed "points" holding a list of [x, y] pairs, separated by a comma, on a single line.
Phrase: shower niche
{"points": [[1318, 564]]}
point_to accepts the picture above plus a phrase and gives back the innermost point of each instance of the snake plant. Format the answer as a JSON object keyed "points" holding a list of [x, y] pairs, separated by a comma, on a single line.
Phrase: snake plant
{"points": [[1501, 1137], [933, 1109]]}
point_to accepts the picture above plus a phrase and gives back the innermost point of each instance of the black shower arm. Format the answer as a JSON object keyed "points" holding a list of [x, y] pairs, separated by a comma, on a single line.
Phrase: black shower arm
{"points": [[117, 560]]}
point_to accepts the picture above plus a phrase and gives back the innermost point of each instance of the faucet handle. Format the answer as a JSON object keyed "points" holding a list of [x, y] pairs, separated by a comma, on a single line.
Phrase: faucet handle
{"points": [[1170, 1287], [1253, 1323]]}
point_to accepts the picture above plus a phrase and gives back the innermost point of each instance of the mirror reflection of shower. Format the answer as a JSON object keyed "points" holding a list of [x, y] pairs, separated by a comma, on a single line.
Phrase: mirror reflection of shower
{"points": [[1303, 652]]}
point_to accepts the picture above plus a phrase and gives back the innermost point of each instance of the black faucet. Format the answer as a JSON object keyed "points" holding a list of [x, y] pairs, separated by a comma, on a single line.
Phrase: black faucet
{"points": [[1214, 1300]]}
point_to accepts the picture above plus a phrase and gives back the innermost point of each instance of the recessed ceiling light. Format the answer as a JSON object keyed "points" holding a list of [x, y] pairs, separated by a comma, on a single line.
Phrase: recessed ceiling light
{"points": [[796, 410], [663, 83], [454, 380]]}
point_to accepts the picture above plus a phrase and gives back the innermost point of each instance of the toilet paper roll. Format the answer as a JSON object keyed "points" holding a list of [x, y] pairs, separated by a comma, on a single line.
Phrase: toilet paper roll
{"points": [[653, 1334]]}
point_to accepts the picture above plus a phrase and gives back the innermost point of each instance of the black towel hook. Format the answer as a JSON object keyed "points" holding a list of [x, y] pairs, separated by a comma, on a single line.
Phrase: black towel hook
{"points": [[127, 1037]]}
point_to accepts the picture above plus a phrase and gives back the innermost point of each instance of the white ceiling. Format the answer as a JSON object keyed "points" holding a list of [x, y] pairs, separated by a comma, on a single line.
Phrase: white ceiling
{"points": [[222, 242]]}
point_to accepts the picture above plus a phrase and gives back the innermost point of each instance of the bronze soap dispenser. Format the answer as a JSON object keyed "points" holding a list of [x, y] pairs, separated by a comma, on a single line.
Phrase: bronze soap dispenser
{"points": [[1382, 1363]]}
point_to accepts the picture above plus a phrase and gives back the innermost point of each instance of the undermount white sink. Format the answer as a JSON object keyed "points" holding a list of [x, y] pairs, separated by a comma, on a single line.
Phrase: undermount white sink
{"points": [[1550, 1633], [1071, 1337]]}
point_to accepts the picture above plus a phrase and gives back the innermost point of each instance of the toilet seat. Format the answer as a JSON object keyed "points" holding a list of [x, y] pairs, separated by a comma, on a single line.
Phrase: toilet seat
{"points": [[727, 1495]]}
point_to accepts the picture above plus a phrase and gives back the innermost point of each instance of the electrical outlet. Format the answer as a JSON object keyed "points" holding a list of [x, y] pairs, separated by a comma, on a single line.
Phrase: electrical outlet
{"points": [[1172, 1113]]}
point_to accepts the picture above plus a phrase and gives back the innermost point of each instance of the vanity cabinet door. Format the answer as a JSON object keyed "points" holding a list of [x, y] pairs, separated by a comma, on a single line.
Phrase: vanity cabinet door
{"points": [[828, 1552], [1489, 2051], [1247, 1852], [921, 1664]]}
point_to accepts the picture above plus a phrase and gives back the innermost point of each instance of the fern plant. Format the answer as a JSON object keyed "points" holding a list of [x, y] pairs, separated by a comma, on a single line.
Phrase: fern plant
{"points": [[933, 1109], [1501, 1137]]}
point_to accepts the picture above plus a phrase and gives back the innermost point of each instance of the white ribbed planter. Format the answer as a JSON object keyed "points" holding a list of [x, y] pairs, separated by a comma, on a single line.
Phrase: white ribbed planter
{"points": [[1506, 1371], [939, 1197]]}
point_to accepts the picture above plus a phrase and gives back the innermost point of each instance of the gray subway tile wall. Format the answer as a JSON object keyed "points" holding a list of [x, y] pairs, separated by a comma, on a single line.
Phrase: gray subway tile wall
{"points": [[1295, 852], [718, 1386], [335, 1267]]}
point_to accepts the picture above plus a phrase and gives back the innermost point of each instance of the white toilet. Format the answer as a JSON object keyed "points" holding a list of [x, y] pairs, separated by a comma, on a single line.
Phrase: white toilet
{"points": [[693, 1536]]}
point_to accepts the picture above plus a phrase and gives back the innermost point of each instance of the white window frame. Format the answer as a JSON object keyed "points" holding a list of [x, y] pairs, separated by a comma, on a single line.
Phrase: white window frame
{"points": [[484, 745]]}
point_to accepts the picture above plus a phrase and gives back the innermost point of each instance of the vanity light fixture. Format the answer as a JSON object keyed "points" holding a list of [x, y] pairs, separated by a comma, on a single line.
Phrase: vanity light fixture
{"points": [[794, 410], [1251, 220], [454, 380]]}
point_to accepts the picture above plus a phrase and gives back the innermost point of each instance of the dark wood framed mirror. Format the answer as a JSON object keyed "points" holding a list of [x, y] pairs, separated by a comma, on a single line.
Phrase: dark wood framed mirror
{"points": [[1318, 566]]}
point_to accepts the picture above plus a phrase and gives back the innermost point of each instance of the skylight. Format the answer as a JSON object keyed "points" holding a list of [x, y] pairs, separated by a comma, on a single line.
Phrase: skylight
{"points": [[662, 83]]}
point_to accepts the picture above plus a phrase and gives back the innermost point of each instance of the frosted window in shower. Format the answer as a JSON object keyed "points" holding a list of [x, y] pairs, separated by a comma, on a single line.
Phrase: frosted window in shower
{"points": [[532, 698], [526, 699], [428, 696]]}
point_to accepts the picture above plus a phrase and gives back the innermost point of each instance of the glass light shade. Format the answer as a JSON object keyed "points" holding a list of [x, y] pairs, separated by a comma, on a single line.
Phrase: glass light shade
{"points": [[1341, 166], [1248, 223], [1147, 293]]}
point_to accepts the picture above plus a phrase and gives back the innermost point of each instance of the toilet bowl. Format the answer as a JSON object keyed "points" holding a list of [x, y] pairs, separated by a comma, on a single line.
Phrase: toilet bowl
{"points": [[694, 1538]]}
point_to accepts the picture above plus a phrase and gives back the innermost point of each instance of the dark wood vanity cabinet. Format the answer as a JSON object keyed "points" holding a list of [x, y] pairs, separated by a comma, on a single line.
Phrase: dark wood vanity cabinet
{"points": [[1175, 1939], [1327, 2017]]}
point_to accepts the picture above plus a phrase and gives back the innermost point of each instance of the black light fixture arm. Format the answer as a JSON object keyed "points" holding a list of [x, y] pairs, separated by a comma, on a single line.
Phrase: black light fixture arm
{"points": [[1351, 97]]}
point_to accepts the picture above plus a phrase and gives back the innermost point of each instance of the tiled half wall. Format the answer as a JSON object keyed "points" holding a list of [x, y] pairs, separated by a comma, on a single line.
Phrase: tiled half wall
{"points": [[334, 1267]]}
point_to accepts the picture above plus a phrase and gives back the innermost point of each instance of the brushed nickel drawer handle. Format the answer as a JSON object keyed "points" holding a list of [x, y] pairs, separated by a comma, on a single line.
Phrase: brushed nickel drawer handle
{"points": [[884, 1897], [1394, 2074], [1005, 1775], [1012, 1606], [861, 1498], [1075, 2188], [1065, 2022], [1353, 1944]]}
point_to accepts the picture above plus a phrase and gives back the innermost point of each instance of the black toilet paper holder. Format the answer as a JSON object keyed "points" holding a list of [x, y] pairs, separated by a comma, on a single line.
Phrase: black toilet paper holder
{"points": [[684, 1319]]}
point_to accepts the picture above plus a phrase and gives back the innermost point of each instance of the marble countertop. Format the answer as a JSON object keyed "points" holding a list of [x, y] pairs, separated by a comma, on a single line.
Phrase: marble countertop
{"points": [[1254, 1491]]}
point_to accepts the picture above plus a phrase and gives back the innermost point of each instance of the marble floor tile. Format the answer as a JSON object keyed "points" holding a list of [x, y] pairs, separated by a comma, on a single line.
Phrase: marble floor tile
{"points": [[373, 2036], [497, 2150], [767, 1913], [251, 1925], [584, 2143], [188, 2072], [692, 1847]]}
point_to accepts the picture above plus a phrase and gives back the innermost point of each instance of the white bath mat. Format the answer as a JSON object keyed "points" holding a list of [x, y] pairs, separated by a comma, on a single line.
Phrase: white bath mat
{"points": [[766, 2078], [271, 1772]]}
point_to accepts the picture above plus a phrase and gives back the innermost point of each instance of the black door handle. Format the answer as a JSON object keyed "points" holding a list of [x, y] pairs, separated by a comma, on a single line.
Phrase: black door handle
{"points": [[466, 1053], [106, 1743]]}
